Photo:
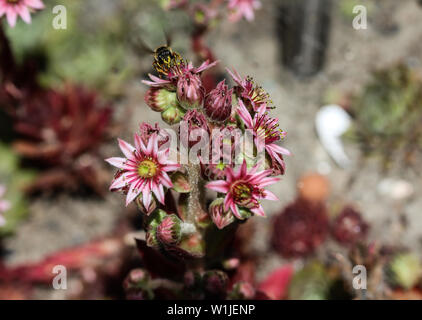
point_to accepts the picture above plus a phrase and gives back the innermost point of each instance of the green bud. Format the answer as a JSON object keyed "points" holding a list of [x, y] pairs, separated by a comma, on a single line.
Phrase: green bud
{"points": [[172, 115]]}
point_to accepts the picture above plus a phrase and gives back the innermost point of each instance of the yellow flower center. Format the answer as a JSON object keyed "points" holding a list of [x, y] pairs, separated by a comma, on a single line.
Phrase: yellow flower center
{"points": [[242, 192], [147, 168]]}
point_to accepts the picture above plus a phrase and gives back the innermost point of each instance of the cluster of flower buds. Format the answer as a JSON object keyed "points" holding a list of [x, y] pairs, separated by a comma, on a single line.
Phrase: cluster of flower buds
{"points": [[225, 141], [4, 205]]}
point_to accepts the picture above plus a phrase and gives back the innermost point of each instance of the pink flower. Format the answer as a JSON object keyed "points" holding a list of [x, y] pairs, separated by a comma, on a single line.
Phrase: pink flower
{"points": [[4, 205], [243, 8], [144, 170], [244, 189], [249, 92], [266, 132], [14, 8]]}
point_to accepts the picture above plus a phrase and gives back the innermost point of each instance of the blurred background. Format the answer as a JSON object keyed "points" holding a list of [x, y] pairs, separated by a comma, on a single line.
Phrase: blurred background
{"points": [[349, 98]]}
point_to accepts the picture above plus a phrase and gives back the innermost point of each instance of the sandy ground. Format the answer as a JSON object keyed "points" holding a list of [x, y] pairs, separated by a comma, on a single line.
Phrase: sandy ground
{"points": [[252, 49]]}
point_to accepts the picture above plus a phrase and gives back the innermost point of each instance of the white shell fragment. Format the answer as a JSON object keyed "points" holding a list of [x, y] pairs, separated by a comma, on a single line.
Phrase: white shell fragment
{"points": [[396, 189], [331, 123]]}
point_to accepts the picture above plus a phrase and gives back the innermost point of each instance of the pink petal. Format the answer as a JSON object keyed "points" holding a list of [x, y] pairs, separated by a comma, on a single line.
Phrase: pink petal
{"points": [[258, 211], [127, 149], [139, 145], [268, 195], [2, 9], [204, 66], [146, 199], [228, 202], [4, 206], [256, 179], [248, 13], [171, 167], [243, 169], [24, 13], [245, 115], [117, 162], [119, 182], [156, 82], [219, 186], [235, 211], [166, 181], [11, 17], [159, 193], [268, 181], [262, 109], [279, 149], [36, 4], [132, 194], [154, 139], [236, 76]]}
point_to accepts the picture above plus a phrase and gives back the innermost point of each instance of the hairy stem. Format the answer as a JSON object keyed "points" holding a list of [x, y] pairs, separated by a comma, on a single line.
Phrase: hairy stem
{"points": [[195, 196]]}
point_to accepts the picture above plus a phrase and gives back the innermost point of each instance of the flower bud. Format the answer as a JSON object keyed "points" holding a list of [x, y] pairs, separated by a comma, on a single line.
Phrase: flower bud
{"points": [[141, 207], [218, 103], [152, 223], [196, 127], [180, 182], [190, 92], [215, 284], [159, 99], [136, 285], [219, 216], [172, 115], [169, 230]]}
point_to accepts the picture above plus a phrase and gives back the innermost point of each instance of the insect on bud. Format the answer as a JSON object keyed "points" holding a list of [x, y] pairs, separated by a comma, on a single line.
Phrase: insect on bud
{"points": [[218, 103], [159, 99], [190, 92]]}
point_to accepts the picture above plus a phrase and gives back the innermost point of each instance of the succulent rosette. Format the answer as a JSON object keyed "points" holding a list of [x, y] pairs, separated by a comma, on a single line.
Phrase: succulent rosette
{"points": [[144, 170]]}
